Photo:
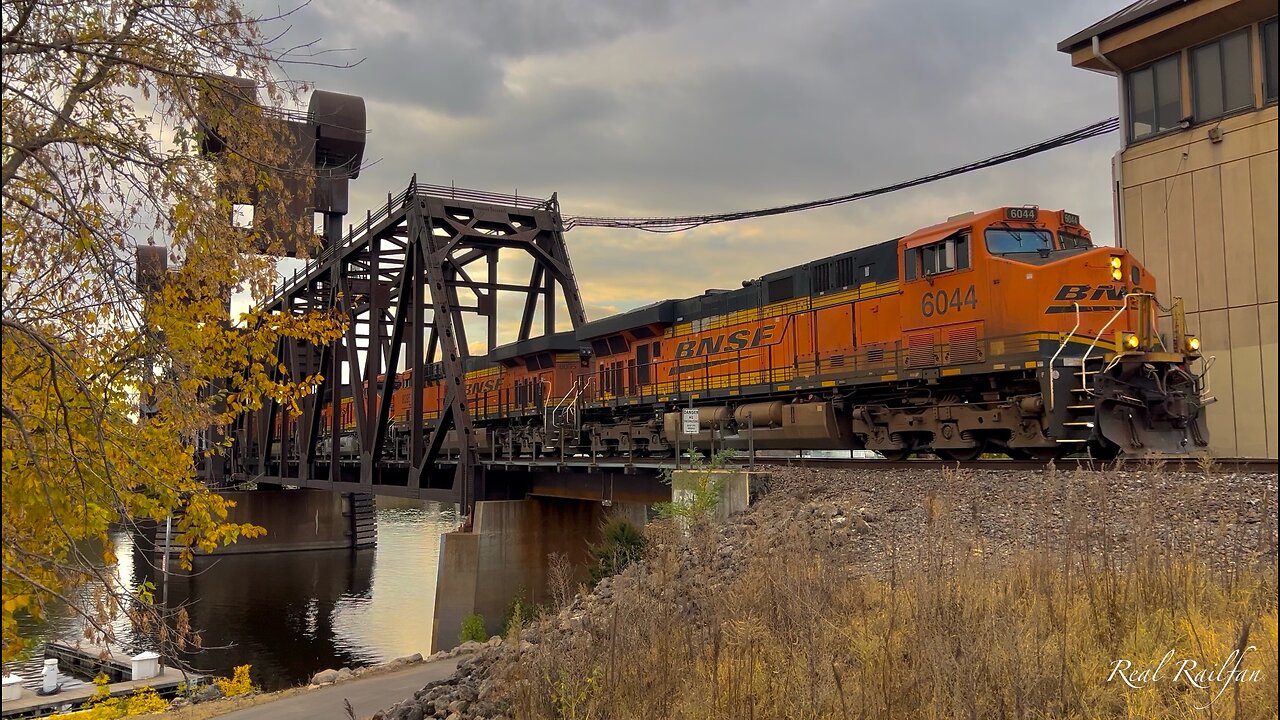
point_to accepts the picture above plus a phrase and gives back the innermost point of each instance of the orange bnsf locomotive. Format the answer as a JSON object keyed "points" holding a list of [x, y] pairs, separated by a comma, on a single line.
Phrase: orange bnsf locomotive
{"points": [[1005, 331]]}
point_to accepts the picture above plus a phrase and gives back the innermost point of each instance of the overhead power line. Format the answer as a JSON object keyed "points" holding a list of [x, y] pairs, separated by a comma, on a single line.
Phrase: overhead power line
{"points": [[688, 222]]}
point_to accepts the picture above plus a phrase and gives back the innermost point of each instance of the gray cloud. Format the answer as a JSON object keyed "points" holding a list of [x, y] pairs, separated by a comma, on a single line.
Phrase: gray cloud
{"points": [[669, 108]]}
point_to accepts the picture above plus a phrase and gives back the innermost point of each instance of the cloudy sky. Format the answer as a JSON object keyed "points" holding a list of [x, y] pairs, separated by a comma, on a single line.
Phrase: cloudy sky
{"points": [[666, 108]]}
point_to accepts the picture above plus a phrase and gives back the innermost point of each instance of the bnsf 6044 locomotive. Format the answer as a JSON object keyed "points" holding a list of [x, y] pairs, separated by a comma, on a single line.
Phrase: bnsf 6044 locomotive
{"points": [[1003, 331]]}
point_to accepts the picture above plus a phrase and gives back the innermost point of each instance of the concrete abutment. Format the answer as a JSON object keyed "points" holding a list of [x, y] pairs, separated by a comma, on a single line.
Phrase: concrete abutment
{"points": [[294, 520], [506, 554]]}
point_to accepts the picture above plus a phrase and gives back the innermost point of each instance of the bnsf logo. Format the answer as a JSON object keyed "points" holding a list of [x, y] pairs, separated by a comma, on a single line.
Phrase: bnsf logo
{"points": [[727, 342], [1089, 292], [482, 386]]}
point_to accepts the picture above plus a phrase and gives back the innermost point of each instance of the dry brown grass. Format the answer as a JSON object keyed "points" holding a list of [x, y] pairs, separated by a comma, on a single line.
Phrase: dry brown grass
{"points": [[948, 631]]}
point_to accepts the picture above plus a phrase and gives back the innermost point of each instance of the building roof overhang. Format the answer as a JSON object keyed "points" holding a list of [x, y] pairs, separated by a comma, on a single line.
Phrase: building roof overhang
{"points": [[1148, 30]]}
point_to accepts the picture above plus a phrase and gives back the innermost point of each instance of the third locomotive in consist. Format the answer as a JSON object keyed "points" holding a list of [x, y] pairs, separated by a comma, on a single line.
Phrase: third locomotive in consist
{"points": [[1005, 331]]}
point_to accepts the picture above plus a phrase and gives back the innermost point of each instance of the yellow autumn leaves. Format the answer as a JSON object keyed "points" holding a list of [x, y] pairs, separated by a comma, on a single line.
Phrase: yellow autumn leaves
{"points": [[104, 391]]}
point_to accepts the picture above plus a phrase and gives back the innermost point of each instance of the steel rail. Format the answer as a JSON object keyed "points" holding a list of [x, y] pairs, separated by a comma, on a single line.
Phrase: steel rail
{"points": [[1191, 465]]}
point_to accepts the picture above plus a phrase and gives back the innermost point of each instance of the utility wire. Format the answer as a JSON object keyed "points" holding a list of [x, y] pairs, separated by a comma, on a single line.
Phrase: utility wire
{"points": [[688, 222]]}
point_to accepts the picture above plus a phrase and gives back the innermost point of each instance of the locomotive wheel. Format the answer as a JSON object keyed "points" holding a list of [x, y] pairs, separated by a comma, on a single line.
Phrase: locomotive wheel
{"points": [[960, 454], [895, 455], [1033, 454], [1103, 451]]}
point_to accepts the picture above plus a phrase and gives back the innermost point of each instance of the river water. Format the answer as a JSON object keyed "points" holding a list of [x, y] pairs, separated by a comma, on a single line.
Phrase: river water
{"points": [[289, 615]]}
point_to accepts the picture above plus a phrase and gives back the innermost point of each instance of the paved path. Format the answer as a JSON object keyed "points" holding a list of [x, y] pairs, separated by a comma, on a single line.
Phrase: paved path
{"points": [[367, 695]]}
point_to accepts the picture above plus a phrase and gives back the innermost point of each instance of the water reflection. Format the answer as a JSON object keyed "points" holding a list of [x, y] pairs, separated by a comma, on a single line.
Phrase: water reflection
{"points": [[274, 610], [292, 614]]}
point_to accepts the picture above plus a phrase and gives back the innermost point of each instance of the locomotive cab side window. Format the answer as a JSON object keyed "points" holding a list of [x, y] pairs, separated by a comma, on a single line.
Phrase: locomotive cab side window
{"points": [[951, 253]]}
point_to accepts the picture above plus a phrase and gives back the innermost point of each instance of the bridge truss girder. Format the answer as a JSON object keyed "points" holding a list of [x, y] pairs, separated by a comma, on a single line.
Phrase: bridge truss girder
{"points": [[406, 281]]}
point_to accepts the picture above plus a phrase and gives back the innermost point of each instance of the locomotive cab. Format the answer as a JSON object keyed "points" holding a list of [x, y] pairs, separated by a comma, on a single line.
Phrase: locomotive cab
{"points": [[1114, 367]]}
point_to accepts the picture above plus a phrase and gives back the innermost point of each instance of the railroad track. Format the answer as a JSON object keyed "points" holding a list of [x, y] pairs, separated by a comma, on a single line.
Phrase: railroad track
{"points": [[616, 464], [1228, 465]]}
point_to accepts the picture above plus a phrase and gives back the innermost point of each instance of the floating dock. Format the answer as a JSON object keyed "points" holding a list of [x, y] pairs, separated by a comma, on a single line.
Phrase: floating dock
{"points": [[88, 661]]}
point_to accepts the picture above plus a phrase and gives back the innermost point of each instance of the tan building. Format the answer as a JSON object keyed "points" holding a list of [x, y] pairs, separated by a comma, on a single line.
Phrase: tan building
{"points": [[1195, 185]]}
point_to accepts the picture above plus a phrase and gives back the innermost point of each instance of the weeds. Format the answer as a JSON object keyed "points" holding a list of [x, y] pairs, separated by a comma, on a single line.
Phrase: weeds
{"points": [[560, 584], [1062, 628], [519, 614], [697, 500]]}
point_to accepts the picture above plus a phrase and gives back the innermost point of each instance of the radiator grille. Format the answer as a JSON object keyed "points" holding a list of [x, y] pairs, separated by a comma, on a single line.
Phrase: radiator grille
{"points": [[920, 350], [964, 345]]}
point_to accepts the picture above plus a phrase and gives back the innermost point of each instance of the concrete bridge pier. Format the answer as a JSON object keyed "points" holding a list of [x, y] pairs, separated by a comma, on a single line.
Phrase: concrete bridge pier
{"points": [[294, 520], [506, 553]]}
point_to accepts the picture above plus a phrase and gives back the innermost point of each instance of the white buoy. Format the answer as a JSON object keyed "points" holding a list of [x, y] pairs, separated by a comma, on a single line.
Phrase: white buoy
{"points": [[50, 676]]}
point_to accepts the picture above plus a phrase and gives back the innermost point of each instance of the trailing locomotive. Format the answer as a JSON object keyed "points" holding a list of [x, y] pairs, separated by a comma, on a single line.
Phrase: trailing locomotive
{"points": [[1004, 331]]}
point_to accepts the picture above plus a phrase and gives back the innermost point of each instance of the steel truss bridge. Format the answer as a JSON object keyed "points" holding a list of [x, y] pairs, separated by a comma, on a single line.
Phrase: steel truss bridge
{"points": [[406, 280]]}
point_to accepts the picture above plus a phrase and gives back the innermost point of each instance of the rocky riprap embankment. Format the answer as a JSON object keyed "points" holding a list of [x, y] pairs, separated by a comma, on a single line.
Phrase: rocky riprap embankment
{"points": [[333, 677], [465, 694], [872, 520]]}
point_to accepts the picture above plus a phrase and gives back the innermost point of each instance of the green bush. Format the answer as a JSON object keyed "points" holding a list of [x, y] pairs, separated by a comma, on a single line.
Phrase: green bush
{"points": [[473, 629], [622, 544], [519, 614]]}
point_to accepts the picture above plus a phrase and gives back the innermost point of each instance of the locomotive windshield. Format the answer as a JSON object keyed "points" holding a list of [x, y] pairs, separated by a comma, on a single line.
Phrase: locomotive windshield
{"points": [[1002, 241], [1072, 241]]}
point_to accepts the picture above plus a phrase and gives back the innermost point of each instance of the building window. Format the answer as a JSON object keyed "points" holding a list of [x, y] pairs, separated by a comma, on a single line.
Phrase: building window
{"points": [[1222, 76], [1270, 63], [1155, 98]]}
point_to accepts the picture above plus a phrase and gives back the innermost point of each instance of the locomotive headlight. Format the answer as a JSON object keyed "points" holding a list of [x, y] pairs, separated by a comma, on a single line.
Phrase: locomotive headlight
{"points": [[1117, 274], [1116, 261], [1131, 341], [1193, 343]]}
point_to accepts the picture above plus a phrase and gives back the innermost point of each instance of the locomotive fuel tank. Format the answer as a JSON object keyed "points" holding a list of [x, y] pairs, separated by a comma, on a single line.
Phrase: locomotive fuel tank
{"points": [[782, 426]]}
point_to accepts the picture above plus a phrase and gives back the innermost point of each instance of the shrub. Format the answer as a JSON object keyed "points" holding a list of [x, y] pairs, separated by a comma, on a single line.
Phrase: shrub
{"points": [[145, 700], [473, 629], [238, 684], [519, 613], [622, 544], [104, 707]]}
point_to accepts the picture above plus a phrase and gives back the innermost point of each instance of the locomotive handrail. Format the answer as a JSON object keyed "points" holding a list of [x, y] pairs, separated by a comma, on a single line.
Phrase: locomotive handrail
{"points": [[552, 413], [1054, 359], [581, 391], [1204, 376], [1084, 378]]}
